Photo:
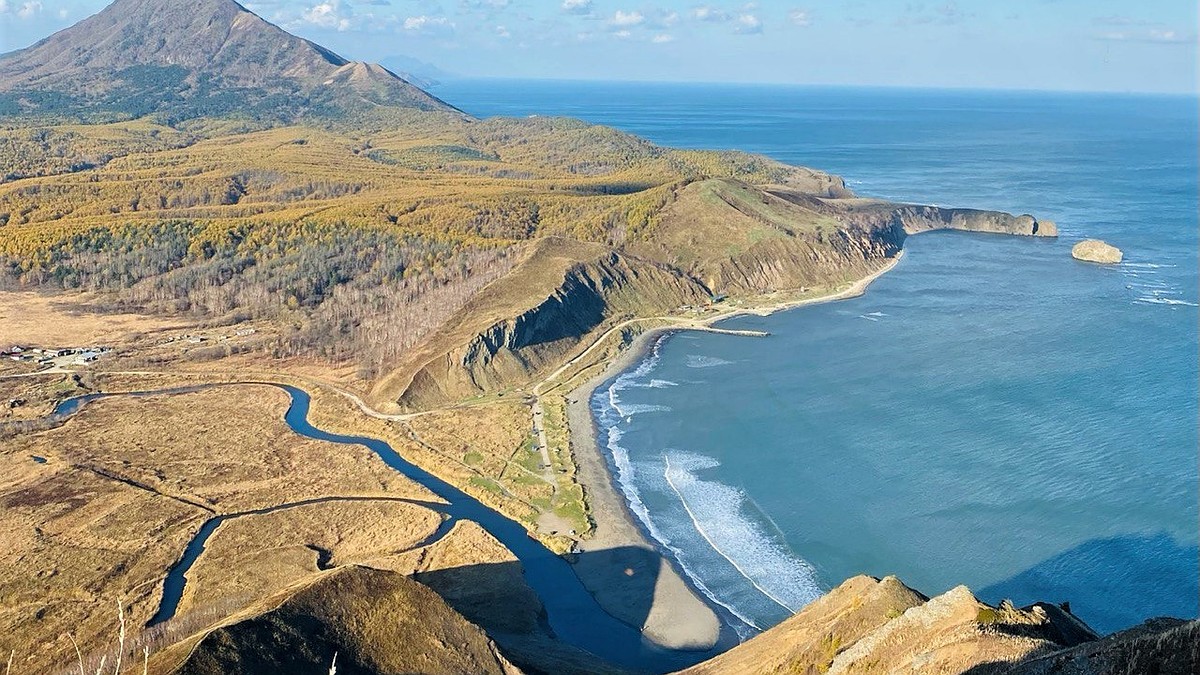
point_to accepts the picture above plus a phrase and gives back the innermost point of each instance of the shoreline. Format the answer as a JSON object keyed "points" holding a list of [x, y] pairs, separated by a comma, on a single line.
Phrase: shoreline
{"points": [[680, 616]]}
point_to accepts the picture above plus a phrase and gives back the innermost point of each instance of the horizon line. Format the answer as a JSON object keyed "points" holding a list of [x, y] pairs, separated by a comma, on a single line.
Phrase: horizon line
{"points": [[1195, 93]]}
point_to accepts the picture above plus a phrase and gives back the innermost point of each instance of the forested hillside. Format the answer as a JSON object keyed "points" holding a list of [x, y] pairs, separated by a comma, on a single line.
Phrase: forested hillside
{"points": [[364, 242], [232, 172]]}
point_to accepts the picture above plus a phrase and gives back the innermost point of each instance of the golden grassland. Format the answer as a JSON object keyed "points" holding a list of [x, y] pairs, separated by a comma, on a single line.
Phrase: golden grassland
{"points": [[128, 481], [255, 556], [32, 318], [34, 397], [467, 567], [484, 448]]}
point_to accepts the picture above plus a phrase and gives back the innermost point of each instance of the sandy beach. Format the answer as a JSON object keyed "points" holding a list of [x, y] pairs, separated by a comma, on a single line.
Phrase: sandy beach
{"points": [[619, 565]]}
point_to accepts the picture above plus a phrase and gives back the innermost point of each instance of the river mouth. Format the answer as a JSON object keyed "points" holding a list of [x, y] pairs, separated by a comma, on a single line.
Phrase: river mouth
{"points": [[572, 613]]}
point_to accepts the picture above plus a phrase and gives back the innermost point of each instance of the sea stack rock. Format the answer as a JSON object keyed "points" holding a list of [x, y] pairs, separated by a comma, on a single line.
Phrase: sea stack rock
{"points": [[1094, 250]]}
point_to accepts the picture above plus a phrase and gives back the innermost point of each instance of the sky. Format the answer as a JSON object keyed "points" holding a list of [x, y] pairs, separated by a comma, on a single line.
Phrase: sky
{"points": [[1091, 45]]}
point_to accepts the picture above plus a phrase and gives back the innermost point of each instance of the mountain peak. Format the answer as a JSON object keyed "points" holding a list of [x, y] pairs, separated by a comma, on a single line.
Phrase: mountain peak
{"points": [[194, 58]]}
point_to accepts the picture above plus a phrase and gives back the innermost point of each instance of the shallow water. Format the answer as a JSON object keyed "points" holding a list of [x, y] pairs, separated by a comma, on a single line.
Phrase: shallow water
{"points": [[991, 413]]}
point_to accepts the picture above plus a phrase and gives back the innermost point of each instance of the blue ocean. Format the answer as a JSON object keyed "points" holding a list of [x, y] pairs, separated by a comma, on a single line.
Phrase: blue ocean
{"points": [[991, 412]]}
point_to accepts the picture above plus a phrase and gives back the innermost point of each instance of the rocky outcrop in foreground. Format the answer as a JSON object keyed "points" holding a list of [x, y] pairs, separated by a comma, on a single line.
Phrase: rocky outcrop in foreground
{"points": [[1096, 251], [377, 622], [870, 626]]}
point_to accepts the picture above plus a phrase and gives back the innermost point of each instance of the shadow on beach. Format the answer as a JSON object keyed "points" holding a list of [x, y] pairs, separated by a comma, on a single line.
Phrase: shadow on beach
{"points": [[494, 597]]}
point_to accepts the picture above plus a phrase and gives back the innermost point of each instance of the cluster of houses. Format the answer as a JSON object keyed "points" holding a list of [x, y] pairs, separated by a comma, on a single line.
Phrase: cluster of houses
{"points": [[46, 355]]}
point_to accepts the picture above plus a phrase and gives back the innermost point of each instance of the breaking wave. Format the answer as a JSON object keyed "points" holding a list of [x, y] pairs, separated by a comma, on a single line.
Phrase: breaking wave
{"points": [[700, 361], [625, 481], [718, 514]]}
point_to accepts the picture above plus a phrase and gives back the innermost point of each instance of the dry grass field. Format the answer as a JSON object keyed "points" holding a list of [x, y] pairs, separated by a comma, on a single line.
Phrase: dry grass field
{"points": [[256, 556], [126, 483], [32, 318]]}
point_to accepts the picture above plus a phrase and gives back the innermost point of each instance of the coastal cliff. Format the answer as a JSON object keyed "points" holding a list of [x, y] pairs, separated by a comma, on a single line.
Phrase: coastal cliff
{"points": [[498, 341], [714, 238]]}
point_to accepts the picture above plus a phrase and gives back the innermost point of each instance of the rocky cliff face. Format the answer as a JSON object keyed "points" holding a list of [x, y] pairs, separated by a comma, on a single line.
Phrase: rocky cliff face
{"points": [[590, 295], [1161, 646], [916, 219], [870, 626], [821, 259]]}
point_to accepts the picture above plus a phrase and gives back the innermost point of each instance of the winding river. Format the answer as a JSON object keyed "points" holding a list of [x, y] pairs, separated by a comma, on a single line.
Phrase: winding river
{"points": [[572, 613]]}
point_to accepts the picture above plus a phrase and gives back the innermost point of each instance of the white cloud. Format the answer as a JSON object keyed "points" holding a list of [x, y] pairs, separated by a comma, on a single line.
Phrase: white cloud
{"points": [[328, 14], [503, 32], [633, 18], [709, 13], [428, 25], [1167, 36], [623, 34], [800, 17], [577, 6], [662, 38], [24, 10], [486, 6], [1159, 35], [749, 24]]}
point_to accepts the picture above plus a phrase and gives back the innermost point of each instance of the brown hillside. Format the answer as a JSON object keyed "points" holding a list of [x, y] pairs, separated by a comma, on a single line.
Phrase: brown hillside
{"points": [[377, 622], [174, 51]]}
